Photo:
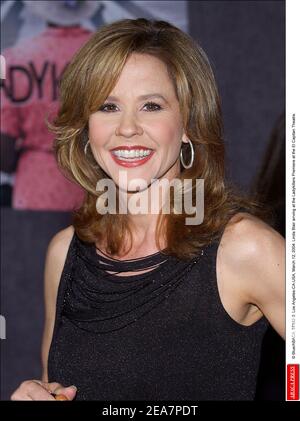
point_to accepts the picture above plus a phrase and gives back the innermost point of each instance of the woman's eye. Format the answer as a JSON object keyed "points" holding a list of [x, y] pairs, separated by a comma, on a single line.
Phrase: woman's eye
{"points": [[152, 106], [107, 107]]}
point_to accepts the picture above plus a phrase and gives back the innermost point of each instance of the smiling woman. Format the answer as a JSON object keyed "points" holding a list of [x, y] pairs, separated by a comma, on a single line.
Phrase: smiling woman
{"points": [[135, 133], [155, 90], [146, 306]]}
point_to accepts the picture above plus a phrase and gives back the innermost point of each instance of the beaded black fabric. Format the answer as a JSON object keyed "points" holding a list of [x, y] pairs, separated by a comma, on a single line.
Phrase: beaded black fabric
{"points": [[162, 334], [102, 302]]}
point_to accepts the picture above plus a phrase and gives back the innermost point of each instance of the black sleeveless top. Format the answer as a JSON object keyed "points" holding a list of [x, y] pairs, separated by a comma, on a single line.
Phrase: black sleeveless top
{"points": [[160, 335]]}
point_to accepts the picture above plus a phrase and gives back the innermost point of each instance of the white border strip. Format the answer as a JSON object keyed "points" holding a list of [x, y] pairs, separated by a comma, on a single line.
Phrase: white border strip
{"points": [[292, 183]]}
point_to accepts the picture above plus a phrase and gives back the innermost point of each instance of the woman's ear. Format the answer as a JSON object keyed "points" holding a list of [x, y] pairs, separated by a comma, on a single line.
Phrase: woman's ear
{"points": [[185, 138]]}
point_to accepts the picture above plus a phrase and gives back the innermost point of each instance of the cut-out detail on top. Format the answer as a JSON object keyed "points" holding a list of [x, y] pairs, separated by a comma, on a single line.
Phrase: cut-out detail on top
{"points": [[141, 264], [101, 302]]}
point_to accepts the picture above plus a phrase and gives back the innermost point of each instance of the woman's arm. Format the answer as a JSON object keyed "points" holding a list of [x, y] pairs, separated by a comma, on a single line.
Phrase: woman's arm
{"points": [[255, 253], [55, 260]]}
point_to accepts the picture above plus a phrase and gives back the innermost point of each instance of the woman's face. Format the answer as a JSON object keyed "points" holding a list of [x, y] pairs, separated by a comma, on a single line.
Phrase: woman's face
{"points": [[138, 131]]}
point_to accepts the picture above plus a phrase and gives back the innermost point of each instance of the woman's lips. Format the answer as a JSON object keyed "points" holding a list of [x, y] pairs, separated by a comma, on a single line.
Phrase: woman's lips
{"points": [[131, 162]]}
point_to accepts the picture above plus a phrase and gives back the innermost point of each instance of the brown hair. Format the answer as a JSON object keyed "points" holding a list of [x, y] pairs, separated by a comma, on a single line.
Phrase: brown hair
{"points": [[86, 83]]}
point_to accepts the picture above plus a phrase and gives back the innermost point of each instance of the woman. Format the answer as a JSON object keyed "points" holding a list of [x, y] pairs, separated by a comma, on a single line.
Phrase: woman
{"points": [[146, 306]]}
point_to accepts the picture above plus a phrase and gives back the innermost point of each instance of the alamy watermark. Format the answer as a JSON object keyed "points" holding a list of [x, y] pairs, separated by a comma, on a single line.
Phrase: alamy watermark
{"points": [[135, 197]]}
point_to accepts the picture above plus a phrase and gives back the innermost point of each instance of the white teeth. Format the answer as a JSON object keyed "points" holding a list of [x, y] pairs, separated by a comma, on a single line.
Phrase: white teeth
{"points": [[133, 153]]}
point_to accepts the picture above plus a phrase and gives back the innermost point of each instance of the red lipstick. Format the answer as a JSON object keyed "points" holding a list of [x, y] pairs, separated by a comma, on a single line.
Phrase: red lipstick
{"points": [[131, 162]]}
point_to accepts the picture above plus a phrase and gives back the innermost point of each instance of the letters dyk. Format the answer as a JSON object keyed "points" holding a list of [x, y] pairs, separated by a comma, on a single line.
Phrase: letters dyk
{"points": [[34, 81]]}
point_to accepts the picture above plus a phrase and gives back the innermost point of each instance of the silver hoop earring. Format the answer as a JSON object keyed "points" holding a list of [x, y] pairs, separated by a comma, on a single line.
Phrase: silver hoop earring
{"points": [[85, 147], [85, 153], [187, 166]]}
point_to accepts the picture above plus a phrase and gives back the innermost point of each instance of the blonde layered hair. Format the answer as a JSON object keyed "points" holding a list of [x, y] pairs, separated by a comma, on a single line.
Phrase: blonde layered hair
{"points": [[88, 81]]}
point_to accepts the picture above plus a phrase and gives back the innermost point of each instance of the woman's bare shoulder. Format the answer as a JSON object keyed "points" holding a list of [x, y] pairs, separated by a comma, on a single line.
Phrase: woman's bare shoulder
{"points": [[61, 240], [246, 235], [253, 255], [250, 243], [57, 253]]}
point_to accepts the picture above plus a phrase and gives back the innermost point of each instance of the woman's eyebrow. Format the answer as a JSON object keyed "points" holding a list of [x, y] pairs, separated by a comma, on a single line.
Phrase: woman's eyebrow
{"points": [[147, 96]]}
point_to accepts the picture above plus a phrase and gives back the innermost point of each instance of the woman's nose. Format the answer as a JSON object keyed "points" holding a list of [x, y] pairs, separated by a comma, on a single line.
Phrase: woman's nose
{"points": [[128, 126]]}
